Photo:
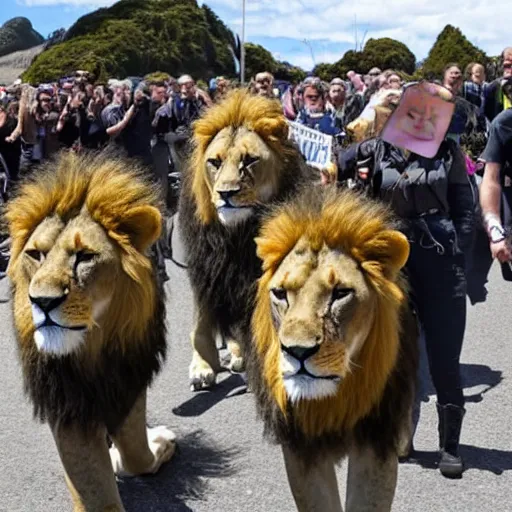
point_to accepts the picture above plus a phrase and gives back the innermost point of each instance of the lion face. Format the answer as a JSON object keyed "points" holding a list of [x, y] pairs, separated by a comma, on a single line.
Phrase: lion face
{"points": [[239, 171], [69, 270], [322, 310], [81, 275], [326, 324]]}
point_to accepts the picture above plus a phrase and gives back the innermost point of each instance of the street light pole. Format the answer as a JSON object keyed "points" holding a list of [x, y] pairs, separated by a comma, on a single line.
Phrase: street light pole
{"points": [[307, 42], [242, 49]]}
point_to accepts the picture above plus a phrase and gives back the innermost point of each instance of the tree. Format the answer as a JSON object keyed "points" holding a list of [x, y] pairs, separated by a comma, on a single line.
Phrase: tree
{"points": [[451, 46], [384, 53], [258, 59], [290, 73], [387, 53], [324, 71]]}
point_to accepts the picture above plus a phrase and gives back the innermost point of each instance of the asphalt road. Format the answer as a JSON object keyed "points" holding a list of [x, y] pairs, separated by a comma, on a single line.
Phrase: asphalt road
{"points": [[224, 464]]}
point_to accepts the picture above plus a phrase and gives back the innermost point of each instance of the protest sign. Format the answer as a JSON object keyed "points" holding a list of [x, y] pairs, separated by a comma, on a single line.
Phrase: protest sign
{"points": [[315, 146]]}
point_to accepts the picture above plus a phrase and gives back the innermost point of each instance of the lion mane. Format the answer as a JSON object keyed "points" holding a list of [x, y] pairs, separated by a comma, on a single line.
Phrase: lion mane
{"points": [[375, 396], [118, 361], [222, 262]]}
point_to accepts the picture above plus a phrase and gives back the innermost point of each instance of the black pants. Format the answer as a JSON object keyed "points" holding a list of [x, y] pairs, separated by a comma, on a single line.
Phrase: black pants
{"points": [[438, 283]]}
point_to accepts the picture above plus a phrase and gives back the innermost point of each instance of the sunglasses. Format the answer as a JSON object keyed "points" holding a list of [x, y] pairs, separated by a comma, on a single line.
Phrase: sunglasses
{"points": [[314, 98]]}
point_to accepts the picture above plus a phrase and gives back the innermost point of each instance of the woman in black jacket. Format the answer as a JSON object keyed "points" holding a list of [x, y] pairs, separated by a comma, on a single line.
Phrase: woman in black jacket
{"points": [[435, 201]]}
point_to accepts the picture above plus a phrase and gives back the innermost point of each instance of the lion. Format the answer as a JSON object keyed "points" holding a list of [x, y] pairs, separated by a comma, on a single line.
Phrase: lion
{"points": [[242, 162], [89, 318], [335, 354]]}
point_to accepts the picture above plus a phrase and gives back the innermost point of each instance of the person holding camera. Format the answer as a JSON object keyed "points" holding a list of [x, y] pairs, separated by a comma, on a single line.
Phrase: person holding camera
{"points": [[73, 125], [128, 121]]}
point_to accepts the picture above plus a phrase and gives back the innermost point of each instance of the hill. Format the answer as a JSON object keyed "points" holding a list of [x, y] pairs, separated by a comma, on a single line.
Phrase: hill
{"points": [[13, 65], [17, 34], [451, 46], [135, 37]]}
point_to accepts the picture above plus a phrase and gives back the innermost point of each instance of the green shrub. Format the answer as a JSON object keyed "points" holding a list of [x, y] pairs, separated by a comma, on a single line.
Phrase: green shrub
{"points": [[135, 37]]}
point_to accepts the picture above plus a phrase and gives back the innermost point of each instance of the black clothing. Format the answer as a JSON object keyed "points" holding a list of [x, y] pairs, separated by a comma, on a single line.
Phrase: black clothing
{"points": [[499, 145], [435, 201], [493, 100], [10, 151], [137, 135]]}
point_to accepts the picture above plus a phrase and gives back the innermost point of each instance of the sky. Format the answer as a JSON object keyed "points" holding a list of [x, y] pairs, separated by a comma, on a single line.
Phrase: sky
{"points": [[307, 32]]}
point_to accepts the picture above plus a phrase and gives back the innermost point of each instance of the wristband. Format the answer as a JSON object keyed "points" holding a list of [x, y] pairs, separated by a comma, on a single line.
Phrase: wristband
{"points": [[496, 234], [494, 228]]}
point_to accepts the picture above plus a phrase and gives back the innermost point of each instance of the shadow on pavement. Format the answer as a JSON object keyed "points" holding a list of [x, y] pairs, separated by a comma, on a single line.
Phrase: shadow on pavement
{"points": [[182, 479], [202, 401], [485, 459], [478, 375], [472, 375]]}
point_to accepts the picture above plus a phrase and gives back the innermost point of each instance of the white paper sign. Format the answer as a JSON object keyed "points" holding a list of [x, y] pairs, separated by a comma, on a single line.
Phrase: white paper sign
{"points": [[315, 146]]}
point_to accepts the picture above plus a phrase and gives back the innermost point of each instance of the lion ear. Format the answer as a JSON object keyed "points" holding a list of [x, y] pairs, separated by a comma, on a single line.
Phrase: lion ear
{"points": [[143, 225], [391, 249]]}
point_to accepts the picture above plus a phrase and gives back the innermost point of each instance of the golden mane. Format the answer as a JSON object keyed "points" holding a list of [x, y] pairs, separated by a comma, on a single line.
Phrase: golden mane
{"points": [[120, 199], [365, 230], [240, 109]]}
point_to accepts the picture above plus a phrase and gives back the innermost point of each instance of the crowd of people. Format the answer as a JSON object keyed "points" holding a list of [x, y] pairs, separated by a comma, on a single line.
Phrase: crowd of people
{"points": [[437, 198]]}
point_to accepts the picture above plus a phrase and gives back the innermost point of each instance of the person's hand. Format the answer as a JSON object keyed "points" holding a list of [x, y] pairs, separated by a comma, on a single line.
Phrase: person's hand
{"points": [[129, 113], [10, 139], [501, 251]]}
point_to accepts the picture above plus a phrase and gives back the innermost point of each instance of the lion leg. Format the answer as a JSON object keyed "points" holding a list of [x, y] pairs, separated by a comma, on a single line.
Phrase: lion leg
{"points": [[205, 357], [314, 488], [405, 440], [139, 450], [236, 363], [371, 481], [89, 474]]}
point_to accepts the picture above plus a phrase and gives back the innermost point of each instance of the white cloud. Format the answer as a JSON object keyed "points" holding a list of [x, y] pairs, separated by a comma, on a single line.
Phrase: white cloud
{"points": [[414, 22]]}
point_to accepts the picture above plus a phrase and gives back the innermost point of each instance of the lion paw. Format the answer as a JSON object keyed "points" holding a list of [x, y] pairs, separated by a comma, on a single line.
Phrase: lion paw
{"points": [[201, 375], [236, 364], [162, 445]]}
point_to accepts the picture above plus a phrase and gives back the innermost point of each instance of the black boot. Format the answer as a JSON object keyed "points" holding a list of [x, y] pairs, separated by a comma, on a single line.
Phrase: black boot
{"points": [[450, 423]]}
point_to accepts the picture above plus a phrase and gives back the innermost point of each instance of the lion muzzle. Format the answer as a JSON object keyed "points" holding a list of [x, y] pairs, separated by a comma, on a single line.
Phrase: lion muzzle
{"points": [[301, 378], [51, 334]]}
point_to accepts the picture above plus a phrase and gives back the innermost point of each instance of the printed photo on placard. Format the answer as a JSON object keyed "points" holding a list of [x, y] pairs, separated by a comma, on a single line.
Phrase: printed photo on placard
{"points": [[421, 119]]}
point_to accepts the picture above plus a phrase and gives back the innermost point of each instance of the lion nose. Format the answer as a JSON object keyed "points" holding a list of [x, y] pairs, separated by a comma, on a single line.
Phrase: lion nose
{"points": [[47, 304], [225, 195], [301, 353]]}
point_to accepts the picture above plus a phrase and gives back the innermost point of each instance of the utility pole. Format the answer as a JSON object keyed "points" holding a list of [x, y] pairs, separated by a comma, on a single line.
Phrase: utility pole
{"points": [[242, 49], [355, 30], [309, 45]]}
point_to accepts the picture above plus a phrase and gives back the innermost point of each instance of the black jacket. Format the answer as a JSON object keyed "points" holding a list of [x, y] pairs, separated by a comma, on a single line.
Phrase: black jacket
{"points": [[417, 187]]}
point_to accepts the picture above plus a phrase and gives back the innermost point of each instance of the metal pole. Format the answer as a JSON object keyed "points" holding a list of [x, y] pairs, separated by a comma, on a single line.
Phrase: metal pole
{"points": [[309, 45], [242, 49]]}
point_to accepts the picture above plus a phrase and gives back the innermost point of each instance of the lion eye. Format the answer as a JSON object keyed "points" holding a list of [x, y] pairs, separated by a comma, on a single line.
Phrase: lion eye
{"points": [[279, 294], [339, 293], [215, 162], [35, 255], [84, 257], [249, 160]]}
